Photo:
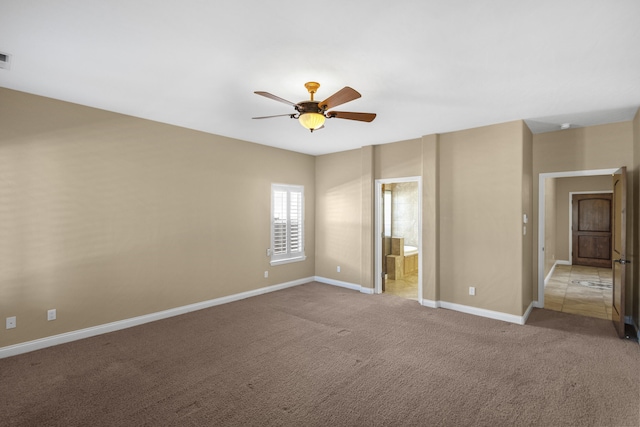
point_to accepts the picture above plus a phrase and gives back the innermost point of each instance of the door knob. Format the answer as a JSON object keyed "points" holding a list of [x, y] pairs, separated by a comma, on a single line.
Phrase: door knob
{"points": [[622, 261]]}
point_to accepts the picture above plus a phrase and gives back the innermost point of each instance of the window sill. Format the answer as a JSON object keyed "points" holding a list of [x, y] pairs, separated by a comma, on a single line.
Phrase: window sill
{"points": [[288, 260]]}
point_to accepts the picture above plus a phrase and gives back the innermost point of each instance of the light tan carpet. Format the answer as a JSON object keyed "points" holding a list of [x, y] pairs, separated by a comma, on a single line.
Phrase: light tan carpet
{"points": [[317, 355]]}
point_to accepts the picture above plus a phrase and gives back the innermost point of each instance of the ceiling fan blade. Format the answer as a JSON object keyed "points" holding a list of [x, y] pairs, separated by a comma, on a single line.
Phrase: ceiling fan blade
{"points": [[276, 98], [345, 94], [278, 115], [361, 117]]}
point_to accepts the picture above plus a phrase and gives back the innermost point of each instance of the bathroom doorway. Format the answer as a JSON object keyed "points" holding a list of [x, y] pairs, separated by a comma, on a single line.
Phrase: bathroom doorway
{"points": [[398, 237]]}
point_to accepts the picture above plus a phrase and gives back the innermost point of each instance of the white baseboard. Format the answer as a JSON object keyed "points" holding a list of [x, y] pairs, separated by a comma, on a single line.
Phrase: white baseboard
{"points": [[520, 320], [430, 303], [558, 262], [41, 343], [526, 314], [342, 284], [482, 312]]}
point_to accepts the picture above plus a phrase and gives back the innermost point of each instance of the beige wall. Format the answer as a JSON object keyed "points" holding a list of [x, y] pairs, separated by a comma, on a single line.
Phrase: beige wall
{"points": [[430, 217], [477, 184], [339, 216], [106, 217], [596, 147], [481, 203], [398, 160], [565, 186]]}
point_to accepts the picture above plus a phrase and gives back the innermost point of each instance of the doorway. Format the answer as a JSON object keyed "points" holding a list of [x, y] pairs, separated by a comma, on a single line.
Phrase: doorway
{"points": [[398, 237], [580, 281], [565, 277]]}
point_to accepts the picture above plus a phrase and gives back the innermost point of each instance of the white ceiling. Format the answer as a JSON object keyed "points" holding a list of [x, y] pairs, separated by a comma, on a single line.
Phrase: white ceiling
{"points": [[424, 67]]}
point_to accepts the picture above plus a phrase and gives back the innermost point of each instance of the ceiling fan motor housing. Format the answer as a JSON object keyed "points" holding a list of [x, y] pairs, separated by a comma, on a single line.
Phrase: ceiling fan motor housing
{"points": [[305, 107], [312, 114]]}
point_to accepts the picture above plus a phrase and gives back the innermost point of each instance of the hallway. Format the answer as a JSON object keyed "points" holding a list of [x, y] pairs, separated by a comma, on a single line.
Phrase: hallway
{"points": [[576, 289]]}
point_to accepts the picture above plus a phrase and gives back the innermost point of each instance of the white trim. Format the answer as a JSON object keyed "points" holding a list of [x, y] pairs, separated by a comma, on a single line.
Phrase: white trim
{"points": [[66, 337], [520, 320], [497, 315], [553, 268], [288, 260], [558, 262], [541, 218], [340, 283], [430, 303], [527, 312], [379, 221]]}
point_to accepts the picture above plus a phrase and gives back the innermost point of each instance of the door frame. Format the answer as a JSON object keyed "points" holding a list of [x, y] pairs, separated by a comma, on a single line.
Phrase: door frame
{"points": [[571, 193], [541, 218], [378, 226]]}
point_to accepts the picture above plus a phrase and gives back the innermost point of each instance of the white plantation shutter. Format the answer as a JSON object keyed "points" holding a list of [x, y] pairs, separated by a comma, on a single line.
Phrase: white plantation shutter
{"points": [[279, 225], [287, 223], [295, 222]]}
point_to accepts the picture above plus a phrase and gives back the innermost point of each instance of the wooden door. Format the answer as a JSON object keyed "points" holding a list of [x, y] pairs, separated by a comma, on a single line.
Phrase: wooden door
{"points": [[619, 248], [591, 230]]}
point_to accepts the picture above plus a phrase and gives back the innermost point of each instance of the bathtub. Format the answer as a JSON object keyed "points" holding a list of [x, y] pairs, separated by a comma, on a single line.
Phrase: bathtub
{"points": [[403, 259], [410, 250], [410, 259]]}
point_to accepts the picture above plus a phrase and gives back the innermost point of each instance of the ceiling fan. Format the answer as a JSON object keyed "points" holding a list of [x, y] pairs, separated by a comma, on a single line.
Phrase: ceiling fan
{"points": [[311, 114]]}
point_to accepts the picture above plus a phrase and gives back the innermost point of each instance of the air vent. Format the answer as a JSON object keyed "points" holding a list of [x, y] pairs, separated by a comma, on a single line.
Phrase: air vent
{"points": [[5, 60]]}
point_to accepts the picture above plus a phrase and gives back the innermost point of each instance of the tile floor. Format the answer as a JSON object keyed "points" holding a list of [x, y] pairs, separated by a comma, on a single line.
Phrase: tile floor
{"points": [[407, 287], [580, 290]]}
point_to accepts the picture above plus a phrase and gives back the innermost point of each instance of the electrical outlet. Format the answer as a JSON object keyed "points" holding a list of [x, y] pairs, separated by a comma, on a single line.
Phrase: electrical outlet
{"points": [[266, 274], [11, 322], [472, 290], [51, 314], [338, 269]]}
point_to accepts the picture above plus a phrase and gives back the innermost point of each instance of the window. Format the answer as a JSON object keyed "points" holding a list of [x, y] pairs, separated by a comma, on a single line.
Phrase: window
{"points": [[287, 223]]}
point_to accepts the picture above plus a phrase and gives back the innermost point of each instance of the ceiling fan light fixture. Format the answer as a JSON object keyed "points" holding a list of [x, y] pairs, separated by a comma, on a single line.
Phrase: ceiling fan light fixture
{"points": [[312, 114], [311, 121]]}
